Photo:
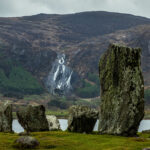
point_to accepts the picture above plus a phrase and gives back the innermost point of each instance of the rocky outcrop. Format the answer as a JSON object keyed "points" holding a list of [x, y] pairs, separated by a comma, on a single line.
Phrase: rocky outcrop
{"points": [[82, 119], [26, 142], [53, 123], [122, 91], [6, 117], [33, 118]]}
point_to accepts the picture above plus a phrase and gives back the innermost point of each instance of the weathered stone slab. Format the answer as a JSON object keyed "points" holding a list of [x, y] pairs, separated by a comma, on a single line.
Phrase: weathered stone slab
{"points": [[82, 119], [53, 123], [6, 117], [33, 118], [122, 91]]}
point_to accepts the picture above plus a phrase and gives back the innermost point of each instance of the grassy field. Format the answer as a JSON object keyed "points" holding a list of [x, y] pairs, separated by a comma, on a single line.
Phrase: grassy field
{"points": [[58, 113], [64, 114], [74, 141]]}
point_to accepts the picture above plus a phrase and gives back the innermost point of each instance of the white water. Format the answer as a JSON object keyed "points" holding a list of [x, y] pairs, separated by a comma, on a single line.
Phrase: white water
{"points": [[61, 60], [144, 125], [69, 79], [59, 78], [56, 73]]}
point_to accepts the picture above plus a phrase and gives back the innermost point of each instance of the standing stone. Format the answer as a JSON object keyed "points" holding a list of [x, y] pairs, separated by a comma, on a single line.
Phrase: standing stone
{"points": [[33, 118], [53, 123], [82, 119], [122, 91], [6, 117]]}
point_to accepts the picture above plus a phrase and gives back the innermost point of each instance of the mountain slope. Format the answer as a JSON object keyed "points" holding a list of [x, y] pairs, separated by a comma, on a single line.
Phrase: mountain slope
{"points": [[34, 41]]}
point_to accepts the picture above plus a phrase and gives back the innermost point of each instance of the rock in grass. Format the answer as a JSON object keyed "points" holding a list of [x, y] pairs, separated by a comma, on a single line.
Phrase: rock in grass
{"points": [[53, 123], [122, 91], [33, 118], [82, 119], [26, 142], [6, 117], [146, 148]]}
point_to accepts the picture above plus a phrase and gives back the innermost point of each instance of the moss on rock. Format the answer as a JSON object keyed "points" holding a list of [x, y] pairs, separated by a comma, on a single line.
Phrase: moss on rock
{"points": [[122, 91]]}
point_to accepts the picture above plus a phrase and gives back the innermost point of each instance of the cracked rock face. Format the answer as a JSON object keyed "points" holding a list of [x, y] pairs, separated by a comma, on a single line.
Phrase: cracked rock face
{"points": [[6, 117], [82, 119], [122, 91], [33, 118]]}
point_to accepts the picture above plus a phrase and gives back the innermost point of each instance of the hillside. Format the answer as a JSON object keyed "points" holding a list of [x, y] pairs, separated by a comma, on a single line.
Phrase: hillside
{"points": [[34, 42]]}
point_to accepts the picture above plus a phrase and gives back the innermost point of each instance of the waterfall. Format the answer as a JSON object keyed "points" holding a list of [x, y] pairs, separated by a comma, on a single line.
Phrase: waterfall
{"points": [[59, 77]]}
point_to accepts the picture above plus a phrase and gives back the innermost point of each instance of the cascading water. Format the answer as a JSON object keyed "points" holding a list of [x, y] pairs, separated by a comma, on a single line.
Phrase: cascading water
{"points": [[59, 78]]}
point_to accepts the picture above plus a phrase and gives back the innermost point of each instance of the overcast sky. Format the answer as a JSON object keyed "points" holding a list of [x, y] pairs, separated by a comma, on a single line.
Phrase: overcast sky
{"points": [[9, 8]]}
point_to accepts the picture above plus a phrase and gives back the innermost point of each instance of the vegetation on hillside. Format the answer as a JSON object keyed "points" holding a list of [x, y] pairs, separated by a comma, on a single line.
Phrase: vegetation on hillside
{"points": [[65, 102], [90, 87], [59, 140], [147, 95], [15, 81]]}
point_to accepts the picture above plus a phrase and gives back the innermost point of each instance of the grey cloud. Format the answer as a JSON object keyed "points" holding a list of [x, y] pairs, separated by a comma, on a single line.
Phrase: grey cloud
{"points": [[29, 7]]}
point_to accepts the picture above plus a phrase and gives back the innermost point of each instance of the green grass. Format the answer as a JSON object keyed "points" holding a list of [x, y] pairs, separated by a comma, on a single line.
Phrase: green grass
{"points": [[74, 141], [58, 113], [34, 97]]}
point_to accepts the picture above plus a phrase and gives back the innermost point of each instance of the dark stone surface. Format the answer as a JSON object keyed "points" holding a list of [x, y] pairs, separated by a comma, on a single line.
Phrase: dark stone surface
{"points": [[26, 142], [122, 91], [82, 119], [6, 117], [33, 118]]}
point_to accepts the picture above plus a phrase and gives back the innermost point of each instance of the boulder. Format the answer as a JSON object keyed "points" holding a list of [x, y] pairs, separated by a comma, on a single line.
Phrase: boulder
{"points": [[82, 119], [122, 91], [26, 142], [53, 123], [6, 117], [33, 118]]}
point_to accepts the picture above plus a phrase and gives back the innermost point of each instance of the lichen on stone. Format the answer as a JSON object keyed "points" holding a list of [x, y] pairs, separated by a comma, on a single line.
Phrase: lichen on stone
{"points": [[122, 91]]}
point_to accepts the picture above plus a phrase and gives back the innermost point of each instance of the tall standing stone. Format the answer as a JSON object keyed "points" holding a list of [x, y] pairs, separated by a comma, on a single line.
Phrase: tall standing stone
{"points": [[6, 117], [33, 118], [122, 91]]}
